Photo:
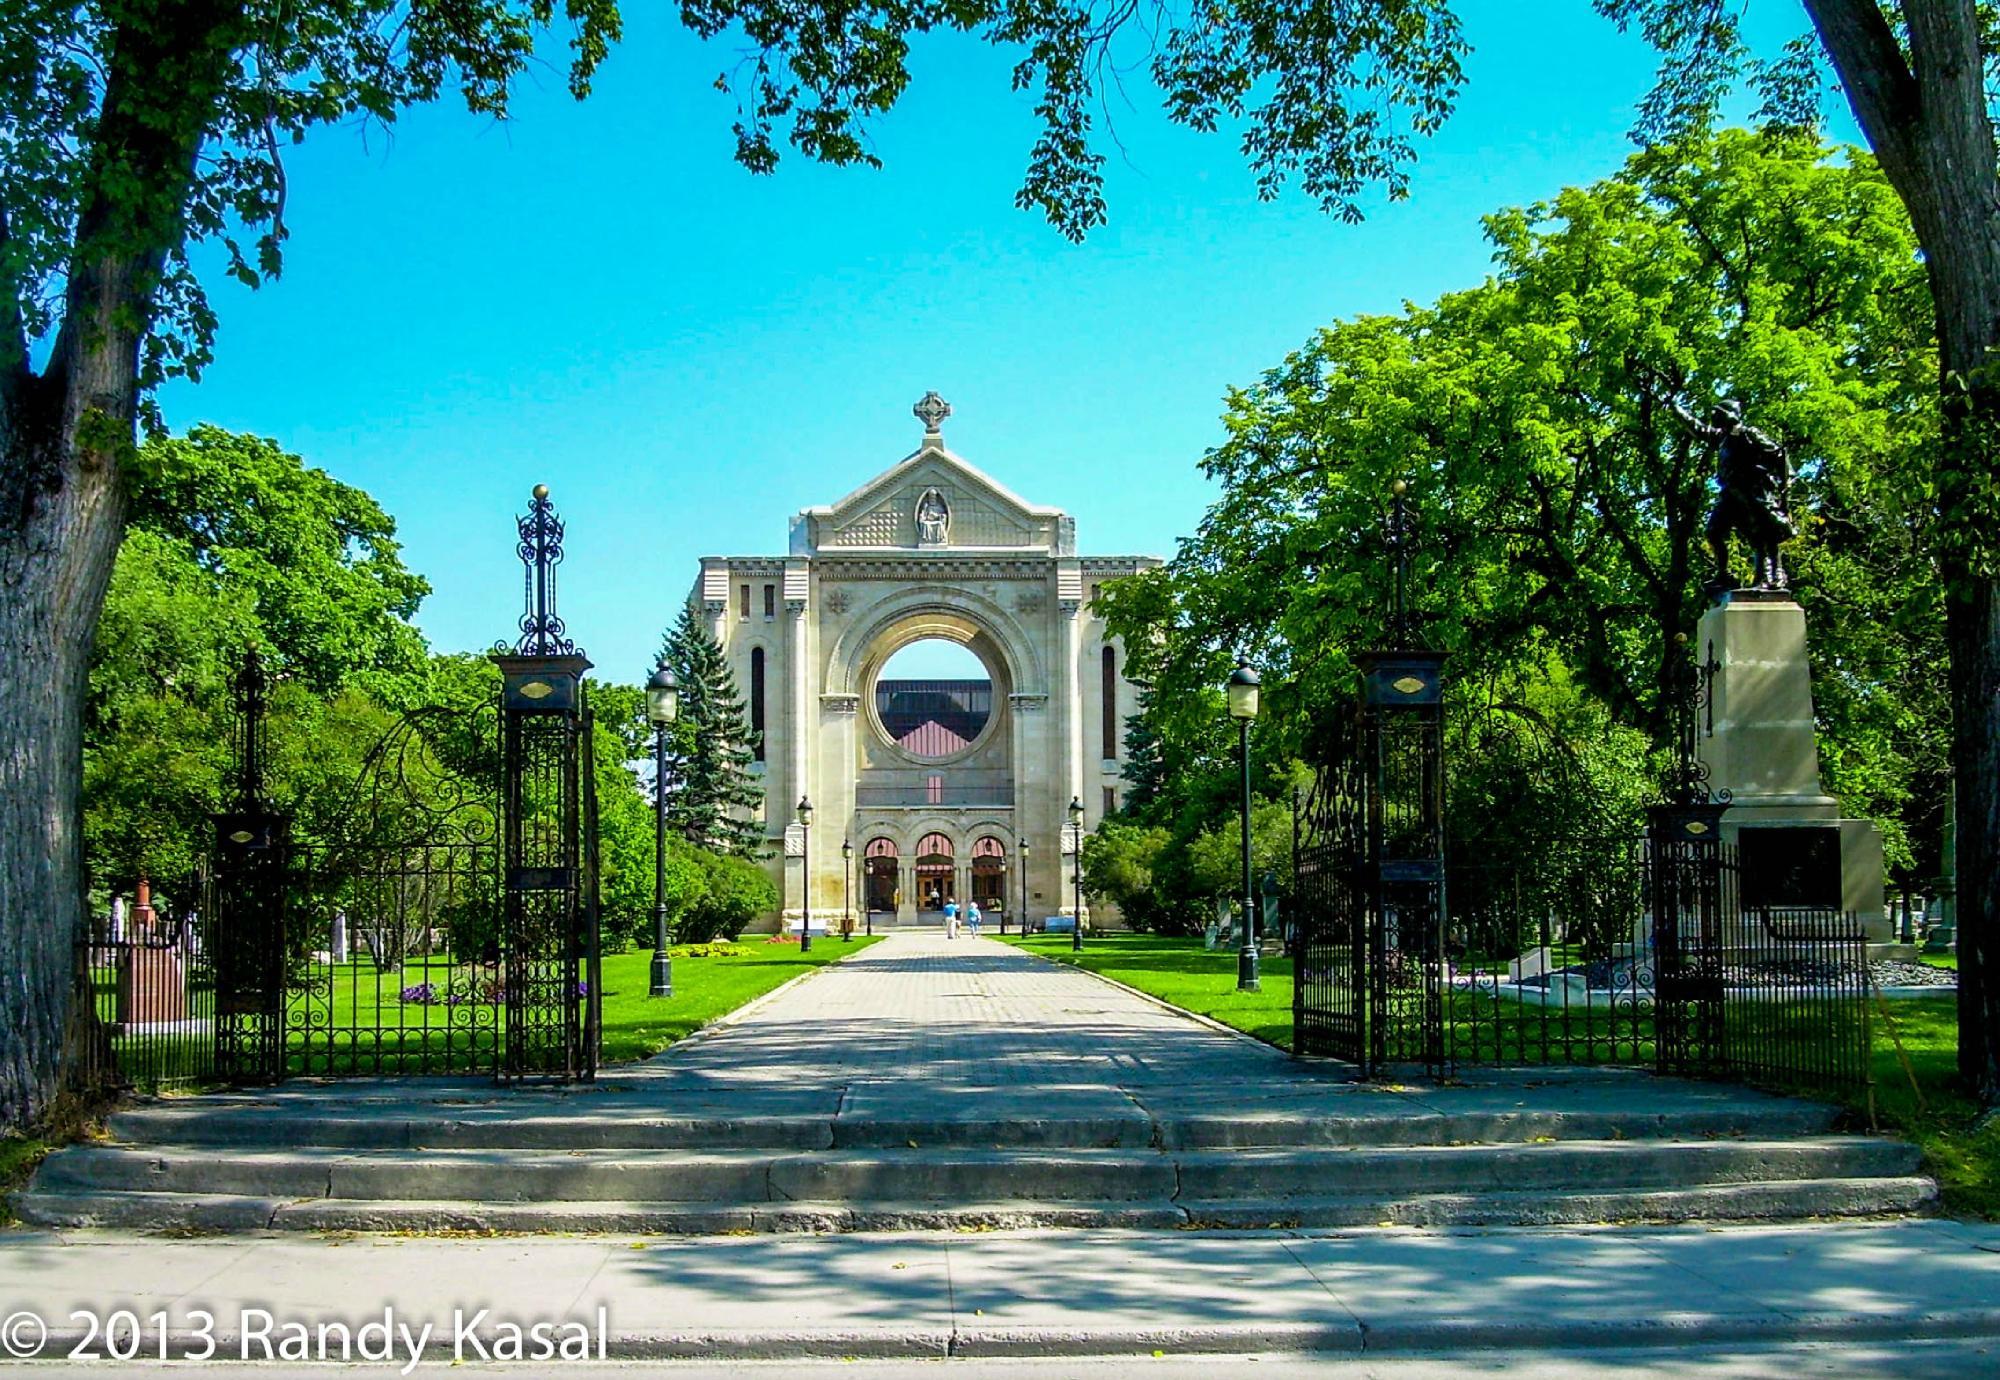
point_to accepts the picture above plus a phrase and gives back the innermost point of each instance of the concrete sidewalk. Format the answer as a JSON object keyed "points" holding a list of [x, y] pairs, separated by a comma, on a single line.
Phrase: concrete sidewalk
{"points": [[1044, 1293]]}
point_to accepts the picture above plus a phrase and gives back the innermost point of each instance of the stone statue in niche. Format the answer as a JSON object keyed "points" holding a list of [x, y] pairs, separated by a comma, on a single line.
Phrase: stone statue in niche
{"points": [[933, 519]]}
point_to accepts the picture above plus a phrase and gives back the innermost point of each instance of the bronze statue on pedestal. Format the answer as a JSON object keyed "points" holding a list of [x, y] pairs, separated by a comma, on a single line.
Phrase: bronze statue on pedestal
{"points": [[1755, 502]]}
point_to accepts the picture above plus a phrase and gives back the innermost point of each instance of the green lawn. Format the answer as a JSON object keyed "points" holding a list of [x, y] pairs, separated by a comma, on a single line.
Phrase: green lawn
{"points": [[1181, 971], [1964, 1160], [723, 978], [355, 1021], [18, 1157]]}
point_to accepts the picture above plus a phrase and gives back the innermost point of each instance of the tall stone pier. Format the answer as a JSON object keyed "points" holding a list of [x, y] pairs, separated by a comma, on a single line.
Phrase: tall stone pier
{"points": [[1759, 744]]}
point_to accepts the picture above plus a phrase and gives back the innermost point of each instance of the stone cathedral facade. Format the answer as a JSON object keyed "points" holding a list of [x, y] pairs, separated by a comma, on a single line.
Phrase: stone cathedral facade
{"points": [[934, 784]]}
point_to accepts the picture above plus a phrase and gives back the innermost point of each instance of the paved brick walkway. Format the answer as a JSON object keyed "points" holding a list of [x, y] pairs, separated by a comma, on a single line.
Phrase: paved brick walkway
{"points": [[965, 1012], [920, 1028]]}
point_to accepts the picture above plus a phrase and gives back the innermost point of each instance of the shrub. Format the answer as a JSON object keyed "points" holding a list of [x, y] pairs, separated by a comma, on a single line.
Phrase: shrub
{"points": [[738, 891]]}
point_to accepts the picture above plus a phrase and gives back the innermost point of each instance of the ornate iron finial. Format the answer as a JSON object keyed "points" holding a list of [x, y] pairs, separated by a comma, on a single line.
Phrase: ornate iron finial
{"points": [[1396, 539], [541, 551], [252, 687], [1690, 690], [931, 410]]}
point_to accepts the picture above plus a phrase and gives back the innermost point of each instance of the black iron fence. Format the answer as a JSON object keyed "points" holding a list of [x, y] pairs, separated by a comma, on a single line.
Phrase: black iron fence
{"points": [[144, 1015], [1796, 999], [394, 960], [1555, 958]]}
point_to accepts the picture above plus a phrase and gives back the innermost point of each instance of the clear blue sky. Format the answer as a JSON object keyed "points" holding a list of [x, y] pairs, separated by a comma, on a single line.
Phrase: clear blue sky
{"points": [[597, 297]]}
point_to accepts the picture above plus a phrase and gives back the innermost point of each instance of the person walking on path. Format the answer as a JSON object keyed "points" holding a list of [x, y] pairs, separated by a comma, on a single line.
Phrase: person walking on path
{"points": [[951, 919], [972, 918]]}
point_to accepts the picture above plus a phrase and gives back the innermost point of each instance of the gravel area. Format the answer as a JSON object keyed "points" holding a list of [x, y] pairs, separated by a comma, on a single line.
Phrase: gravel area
{"points": [[1896, 972]]}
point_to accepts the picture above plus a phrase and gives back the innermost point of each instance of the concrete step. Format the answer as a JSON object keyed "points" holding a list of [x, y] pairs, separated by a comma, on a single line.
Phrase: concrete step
{"points": [[955, 1175], [408, 1126], [1777, 1200], [645, 1176]]}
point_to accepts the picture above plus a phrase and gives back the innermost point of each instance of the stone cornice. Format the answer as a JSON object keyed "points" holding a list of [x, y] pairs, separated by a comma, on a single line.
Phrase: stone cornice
{"points": [[940, 567]]}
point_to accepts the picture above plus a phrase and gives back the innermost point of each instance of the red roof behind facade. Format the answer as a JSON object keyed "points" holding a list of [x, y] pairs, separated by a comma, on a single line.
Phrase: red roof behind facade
{"points": [[931, 739]]}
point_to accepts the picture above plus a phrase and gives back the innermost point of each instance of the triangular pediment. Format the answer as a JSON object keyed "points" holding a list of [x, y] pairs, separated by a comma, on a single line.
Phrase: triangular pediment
{"points": [[933, 500]]}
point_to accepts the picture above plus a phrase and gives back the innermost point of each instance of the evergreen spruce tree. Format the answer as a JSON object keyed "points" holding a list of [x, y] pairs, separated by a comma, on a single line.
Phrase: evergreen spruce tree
{"points": [[1145, 765], [715, 796]]}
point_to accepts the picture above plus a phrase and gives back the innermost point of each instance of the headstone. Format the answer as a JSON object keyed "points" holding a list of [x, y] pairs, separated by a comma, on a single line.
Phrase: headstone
{"points": [[1532, 964], [151, 989], [337, 945]]}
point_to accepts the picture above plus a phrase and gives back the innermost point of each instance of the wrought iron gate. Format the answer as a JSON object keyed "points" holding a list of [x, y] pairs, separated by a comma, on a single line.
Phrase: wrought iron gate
{"points": [[447, 927], [1370, 983]]}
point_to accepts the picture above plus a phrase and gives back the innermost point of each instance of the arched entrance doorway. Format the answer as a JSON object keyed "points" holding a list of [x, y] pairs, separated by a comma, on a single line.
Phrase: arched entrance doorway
{"points": [[989, 875], [879, 874], [937, 880]]}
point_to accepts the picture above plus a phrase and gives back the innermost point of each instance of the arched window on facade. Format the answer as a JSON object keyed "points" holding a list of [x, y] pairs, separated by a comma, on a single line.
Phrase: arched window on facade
{"points": [[757, 699], [1110, 704]]}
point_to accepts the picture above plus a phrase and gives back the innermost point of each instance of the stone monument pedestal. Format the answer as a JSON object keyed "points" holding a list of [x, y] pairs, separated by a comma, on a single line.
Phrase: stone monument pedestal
{"points": [[152, 991], [1759, 744]]}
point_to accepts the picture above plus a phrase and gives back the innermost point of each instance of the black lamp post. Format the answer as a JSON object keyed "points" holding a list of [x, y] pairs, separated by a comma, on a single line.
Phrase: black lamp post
{"points": [[1024, 892], [1076, 875], [663, 706], [805, 875], [847, 890], [1244, 687]]}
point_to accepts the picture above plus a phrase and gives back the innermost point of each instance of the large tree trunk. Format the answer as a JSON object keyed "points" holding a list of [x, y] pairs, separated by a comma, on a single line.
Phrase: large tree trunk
{"points": [[1924, 111], [1973, 630], [64, 438], [1954, 201], [54, 565]]}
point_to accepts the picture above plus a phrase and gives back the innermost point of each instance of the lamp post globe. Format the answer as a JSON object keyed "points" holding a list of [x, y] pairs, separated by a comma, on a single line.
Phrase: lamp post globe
{"points": [[805, 815], [663, 707], [1076, 872], [1245, 695]]}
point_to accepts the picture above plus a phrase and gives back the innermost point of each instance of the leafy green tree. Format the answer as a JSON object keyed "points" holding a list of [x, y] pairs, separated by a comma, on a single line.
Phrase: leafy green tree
{"points": [[1120, 864], [1920, 78], [157, 746], [137, 129], [235, 543], [318, 558], [1215, 857], [1559, 501], [715, 794]]}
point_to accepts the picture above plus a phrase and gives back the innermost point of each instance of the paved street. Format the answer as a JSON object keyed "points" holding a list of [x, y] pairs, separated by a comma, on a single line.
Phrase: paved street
{"points": [[1381, 1292]]}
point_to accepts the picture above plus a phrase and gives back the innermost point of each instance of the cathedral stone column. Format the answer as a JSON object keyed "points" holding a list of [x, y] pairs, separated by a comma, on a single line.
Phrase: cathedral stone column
{"points": [[1069, 598], [802, 727]]}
